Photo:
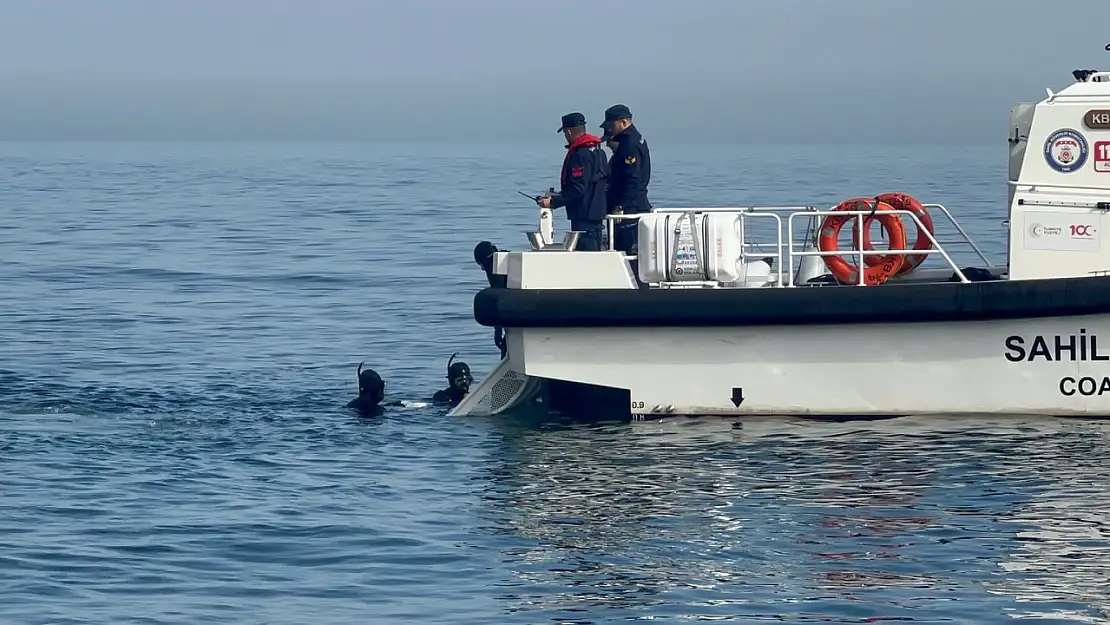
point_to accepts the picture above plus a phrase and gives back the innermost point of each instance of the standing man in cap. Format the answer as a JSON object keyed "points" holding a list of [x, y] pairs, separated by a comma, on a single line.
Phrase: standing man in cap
{"points": [[582, 181], [629, 176]]}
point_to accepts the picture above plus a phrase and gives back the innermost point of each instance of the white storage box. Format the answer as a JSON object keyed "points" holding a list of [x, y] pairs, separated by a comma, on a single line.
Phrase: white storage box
{"points": [[670, 250]]}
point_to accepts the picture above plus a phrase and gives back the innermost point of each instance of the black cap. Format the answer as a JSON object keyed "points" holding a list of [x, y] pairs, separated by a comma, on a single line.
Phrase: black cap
{"points": [[615, 112], [570, 120]]}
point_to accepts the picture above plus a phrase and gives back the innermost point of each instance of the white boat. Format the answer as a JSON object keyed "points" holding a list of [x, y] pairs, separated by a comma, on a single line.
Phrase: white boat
{"points": [[718, 327]]}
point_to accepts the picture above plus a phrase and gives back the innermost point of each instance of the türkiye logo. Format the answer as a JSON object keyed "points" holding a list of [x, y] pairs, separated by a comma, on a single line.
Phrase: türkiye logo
{"points": [[1040, 230]]}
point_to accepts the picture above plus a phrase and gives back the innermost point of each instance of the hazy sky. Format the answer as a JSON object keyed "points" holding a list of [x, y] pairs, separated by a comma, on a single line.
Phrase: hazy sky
{"points": [[766, 71]]}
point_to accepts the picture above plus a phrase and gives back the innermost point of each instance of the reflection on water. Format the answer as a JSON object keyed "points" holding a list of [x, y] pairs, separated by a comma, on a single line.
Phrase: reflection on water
{"points": [[908, 519], [1061, 546]]}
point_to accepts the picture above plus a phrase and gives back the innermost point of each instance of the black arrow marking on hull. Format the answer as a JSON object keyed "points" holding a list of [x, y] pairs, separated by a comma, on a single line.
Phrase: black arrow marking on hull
{"points": [[737, 396]]}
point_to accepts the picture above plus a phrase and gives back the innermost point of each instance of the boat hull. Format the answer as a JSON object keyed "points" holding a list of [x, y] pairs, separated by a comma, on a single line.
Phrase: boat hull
{"points": [[1044, 366]]}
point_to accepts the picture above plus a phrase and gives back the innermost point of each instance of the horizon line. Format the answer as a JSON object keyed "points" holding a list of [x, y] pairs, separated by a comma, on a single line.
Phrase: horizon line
{"points": [[520, 142]]}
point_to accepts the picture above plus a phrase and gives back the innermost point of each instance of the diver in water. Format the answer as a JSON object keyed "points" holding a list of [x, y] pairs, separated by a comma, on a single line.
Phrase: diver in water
{"points": [[483, 255], [371, 392], [458, 383]]}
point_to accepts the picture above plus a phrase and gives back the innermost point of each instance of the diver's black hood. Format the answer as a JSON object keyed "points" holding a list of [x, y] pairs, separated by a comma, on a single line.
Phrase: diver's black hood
{"points": [[369, 381]]}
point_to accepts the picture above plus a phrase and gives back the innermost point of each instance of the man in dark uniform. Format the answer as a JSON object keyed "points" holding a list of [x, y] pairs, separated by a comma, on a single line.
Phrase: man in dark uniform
{"points": [[582, 183], [629, 175]]}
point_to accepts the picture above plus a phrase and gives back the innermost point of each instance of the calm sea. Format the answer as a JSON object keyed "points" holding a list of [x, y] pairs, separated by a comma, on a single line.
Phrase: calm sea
{"points": [[180, 329]]}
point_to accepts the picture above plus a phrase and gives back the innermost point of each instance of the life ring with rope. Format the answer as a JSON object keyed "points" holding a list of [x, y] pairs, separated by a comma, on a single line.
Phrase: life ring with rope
{"points": [[906, 202], [848, 273]]}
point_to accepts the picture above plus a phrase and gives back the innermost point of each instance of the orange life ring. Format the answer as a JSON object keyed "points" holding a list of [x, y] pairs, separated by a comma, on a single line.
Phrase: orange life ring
{"points": [[906, 202], [848, 273]]}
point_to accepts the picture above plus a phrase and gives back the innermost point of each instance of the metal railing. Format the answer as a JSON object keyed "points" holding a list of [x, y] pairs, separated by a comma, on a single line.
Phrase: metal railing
{"points": [[813, 214], [744, 214], [861, 253], [610, 221], [959, 228]]}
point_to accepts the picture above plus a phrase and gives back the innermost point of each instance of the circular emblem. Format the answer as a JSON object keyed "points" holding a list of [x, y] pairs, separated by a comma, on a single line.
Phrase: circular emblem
{"points": [[1065, 150], [1037, 230]]}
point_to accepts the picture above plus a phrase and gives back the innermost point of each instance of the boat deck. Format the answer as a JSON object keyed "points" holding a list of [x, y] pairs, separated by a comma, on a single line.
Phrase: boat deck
{"points": [[786, 236]]}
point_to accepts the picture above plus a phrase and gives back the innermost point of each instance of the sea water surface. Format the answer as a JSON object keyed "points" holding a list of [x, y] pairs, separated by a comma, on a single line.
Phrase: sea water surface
{"points": [[180, 329]]}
